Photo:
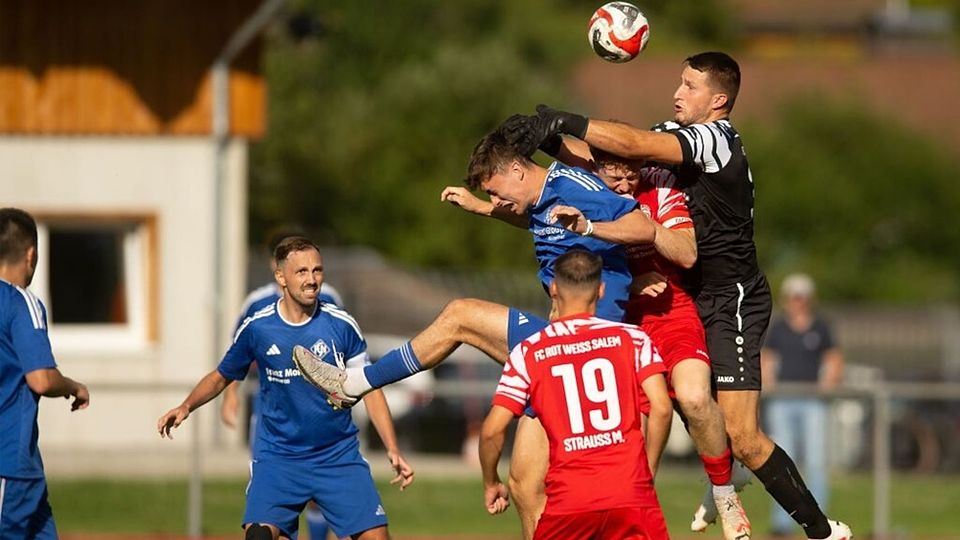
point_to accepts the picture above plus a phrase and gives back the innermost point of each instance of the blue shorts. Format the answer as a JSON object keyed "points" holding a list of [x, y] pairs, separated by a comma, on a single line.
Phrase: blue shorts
{"points": [[520, 326], [24, 509], [279, 489]]}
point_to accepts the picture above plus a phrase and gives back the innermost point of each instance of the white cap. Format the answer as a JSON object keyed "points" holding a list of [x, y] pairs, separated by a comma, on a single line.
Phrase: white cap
{"points": [[798, 285]]}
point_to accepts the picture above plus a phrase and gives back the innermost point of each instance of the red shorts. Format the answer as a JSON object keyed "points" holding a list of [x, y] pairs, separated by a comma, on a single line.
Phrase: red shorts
{"points": [[678, 335], [618, 523]]}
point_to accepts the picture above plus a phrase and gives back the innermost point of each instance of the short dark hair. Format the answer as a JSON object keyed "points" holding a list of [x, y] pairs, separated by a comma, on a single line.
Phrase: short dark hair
{"points": [[18, 232], [578, 268], [491, 155], [723, 70], [290, 244]]}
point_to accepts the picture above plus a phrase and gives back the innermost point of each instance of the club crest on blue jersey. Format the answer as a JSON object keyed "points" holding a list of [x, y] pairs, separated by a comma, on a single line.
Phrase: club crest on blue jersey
{"points": [[320, 349]]}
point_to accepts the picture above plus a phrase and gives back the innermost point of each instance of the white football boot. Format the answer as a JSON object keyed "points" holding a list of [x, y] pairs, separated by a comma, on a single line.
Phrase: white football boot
{"points": [[327, 377]]}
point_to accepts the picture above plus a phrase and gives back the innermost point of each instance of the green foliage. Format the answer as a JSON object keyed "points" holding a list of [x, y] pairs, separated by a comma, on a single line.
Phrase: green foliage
{"points": [[369, 122], [860, 202]]}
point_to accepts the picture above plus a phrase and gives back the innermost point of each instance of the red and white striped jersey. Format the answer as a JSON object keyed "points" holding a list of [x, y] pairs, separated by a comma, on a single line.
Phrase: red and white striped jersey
{"points": [[582, 376], [661, 199]]}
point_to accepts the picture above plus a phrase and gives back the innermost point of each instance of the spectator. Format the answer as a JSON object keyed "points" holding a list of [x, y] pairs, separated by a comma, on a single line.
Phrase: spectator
{"points": [[800, 349]]}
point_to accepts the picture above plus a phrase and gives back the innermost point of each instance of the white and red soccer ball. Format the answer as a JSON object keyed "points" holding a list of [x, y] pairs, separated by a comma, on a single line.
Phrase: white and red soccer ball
{"points": [[618, 32]]}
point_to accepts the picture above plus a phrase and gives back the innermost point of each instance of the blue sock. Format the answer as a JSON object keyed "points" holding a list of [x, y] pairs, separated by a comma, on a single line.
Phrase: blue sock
{"points": [[397, 364], [316, 523]]}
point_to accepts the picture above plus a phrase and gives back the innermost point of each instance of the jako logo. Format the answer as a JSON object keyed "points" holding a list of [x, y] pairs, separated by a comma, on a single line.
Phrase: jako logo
{"points": [[725, 378]]}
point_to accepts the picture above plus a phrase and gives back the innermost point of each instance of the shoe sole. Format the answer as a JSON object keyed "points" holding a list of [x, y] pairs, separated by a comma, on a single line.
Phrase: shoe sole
{"points": [[308, 364]]}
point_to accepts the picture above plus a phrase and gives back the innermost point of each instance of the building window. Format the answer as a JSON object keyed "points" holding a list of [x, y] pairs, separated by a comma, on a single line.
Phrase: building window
{"points": [[96, 276]]}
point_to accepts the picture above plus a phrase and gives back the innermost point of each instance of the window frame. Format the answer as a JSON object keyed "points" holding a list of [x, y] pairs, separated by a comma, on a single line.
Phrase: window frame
{"points": [[140, 263]]}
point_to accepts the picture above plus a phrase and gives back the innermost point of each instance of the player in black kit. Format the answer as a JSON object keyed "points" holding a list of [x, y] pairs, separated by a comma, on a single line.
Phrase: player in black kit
{"points": [[732, 294]]}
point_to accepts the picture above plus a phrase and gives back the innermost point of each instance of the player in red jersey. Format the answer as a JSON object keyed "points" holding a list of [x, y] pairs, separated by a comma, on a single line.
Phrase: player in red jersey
{"points": [[668, 314], [585, 377]]}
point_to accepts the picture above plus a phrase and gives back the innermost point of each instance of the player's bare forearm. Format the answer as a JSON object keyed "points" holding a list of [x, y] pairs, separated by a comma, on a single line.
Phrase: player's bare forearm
{"points": [[492, 436], [632, 228], [659, 420], [634, 143], [464, 199], [208, 388], [382, 420], [51, 383], [679, 246], [379, 411], [575, 153]]}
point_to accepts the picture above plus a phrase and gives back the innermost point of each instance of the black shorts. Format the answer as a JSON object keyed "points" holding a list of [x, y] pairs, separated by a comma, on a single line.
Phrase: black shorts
{"points": [[735, 318]]}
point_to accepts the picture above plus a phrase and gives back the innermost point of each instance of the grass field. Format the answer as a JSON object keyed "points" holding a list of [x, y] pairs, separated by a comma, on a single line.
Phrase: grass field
{"points": [[922, 506]]}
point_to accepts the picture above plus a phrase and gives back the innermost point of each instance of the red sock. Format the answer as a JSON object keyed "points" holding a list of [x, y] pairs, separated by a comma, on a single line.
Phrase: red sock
{"points": [[718, 468]]}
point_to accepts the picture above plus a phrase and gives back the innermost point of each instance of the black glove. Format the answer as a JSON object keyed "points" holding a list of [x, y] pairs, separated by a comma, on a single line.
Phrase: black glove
{"points": [[551, 146], [551, 121], [518, 131]]}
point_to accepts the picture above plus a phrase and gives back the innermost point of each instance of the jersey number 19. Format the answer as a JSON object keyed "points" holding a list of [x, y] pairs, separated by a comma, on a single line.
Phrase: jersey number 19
{"points": [[599, 381]]}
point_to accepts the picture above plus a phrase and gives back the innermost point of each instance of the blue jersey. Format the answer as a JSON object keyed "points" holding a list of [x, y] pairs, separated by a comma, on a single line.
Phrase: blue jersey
{"points": [[576, 187], [24, 347], [295, 419], [268, 294]]}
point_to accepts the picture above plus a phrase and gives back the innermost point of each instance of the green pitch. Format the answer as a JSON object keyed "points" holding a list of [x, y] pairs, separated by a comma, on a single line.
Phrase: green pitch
{"points": [[923, 506]]}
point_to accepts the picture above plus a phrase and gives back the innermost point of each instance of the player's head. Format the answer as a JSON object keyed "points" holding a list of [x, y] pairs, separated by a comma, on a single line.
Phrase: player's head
{"points": [[621, 175], [497, 168], [299, 269], [576, 282], [708, 88], [18, 245], [798, 291]]}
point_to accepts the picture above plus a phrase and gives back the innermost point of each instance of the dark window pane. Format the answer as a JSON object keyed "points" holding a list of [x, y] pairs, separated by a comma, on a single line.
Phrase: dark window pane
{"points": [[86, 275]]}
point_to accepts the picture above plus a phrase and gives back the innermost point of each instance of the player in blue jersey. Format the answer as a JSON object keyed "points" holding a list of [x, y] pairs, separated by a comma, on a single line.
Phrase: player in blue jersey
{"points": [[258, 299], [27, 371], [525, 194], [304, 450]]}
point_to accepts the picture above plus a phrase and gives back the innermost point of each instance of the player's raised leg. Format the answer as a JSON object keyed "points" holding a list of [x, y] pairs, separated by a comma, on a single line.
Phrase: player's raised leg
{"points": [[475, 322], [528, 469]]}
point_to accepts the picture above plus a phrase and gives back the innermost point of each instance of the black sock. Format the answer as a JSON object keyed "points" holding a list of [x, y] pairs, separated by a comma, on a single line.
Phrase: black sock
{"points": [[782, 480]]}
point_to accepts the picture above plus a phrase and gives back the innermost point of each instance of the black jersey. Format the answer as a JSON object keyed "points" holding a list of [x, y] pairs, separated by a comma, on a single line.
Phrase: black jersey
{"points": [[719, 187]]}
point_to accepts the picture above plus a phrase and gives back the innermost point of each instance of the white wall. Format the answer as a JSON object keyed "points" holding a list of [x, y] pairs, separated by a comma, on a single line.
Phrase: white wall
{"points": [[171, 178]]}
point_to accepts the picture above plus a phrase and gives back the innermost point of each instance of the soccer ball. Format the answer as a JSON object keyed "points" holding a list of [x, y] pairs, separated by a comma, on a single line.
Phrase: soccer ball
{"points": [[618, 31]]}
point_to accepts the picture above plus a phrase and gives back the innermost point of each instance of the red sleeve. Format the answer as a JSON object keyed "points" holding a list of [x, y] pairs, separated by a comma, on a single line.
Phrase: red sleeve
{"points": [[667, 203], [513, 390]]}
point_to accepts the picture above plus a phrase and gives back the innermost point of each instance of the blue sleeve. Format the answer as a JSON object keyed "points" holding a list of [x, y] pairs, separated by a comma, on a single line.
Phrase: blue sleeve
{"points": [[28, 330], [590, 195], [236, 362], [352, 342]]}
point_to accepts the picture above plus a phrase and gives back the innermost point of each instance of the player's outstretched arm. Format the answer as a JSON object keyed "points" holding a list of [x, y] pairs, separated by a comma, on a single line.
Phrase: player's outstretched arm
{"points": [[631, 228], [382, 420], [462, 198], [659, 420], [492, 435], [49, 382], [634, 143], [205, 390]]}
